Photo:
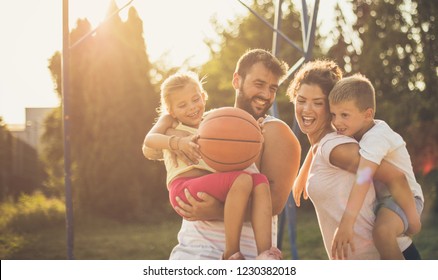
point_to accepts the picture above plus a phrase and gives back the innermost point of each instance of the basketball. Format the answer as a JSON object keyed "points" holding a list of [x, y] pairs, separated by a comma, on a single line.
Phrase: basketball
{"points": [[229, 139]]}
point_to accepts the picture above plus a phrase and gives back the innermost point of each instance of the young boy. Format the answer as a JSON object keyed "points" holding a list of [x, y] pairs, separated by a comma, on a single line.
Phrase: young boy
{"points": [[352, 104]]}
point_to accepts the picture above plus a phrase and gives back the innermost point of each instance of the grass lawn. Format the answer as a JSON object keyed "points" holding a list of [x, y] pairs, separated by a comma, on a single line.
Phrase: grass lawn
{"points": [[99, 239], [95, 239]]}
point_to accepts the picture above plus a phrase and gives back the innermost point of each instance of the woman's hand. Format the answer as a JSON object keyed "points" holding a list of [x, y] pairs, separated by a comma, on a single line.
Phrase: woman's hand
{"points": [[204, 208], [343, 242], [299, 186], [299, 189]]}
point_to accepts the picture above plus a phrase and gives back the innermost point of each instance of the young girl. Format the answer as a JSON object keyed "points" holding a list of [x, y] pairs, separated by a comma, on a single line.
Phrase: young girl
{"points": [[182, 107]]}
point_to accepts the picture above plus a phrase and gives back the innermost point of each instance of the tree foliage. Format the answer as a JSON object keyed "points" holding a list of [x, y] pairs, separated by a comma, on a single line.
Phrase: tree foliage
{"points": [[5, 160], [20, 168], [112, 104], [397, 51], [113, 101], [246, 33]]}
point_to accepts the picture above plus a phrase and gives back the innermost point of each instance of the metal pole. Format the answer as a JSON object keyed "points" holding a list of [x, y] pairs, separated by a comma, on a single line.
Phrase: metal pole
{"points": [[277, 26], [66, 119], [66, 115], [276, 46], [308, 35], [288, 215], [311, 32], [88, 35], [273, 29], [305, 23]]}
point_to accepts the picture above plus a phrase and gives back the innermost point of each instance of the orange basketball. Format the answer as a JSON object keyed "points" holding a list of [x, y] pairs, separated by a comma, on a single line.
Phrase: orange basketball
{"points": [[230, 139]]}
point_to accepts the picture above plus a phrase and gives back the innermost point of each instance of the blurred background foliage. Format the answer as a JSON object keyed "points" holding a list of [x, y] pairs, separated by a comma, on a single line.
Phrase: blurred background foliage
{"points": [[115, 92]]}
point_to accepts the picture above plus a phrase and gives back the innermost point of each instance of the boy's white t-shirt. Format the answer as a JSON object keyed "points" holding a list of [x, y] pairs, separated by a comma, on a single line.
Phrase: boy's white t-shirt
{"points": [[382, 143]]}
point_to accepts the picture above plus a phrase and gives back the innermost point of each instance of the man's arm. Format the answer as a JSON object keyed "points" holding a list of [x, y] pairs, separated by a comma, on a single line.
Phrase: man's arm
{"points": [[280, 161]]}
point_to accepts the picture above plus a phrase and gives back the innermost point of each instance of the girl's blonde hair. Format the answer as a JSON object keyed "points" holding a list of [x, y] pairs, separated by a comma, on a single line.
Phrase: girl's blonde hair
{"points": [[176, 82]]}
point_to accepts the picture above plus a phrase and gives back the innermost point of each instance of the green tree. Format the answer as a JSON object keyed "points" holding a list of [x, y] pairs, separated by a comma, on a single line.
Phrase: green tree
{"points": [[397, 51], [342, 50], [398, 54], [52, 155], [5, 160], [246, 33], [20, 169], [402, 64], [112, 105]]}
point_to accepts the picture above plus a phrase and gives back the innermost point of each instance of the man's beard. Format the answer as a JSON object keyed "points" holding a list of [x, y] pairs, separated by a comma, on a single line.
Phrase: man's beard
{"points": [[245, 103]]}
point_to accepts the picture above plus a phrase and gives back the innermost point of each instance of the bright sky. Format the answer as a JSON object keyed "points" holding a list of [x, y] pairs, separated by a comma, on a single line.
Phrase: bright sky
{"points": [[31, 32]]}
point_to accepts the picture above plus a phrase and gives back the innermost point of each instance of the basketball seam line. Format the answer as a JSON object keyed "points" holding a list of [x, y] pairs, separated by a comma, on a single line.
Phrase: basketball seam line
{"points": [[230, 163], [232, 140], [231, 115]]}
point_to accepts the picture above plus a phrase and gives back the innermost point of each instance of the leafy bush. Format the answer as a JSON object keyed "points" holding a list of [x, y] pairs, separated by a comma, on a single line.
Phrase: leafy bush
{"points": [[31, 212]]}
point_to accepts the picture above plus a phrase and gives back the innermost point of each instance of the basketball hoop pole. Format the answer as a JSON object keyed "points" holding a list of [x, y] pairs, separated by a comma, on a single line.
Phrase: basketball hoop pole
{"points": [[276, 45], [65, 73], [66, 119]]}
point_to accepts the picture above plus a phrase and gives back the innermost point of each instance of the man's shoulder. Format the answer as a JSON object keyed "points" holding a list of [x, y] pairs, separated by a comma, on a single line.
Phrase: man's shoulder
{"points": [[280, 139], [275, 123], [278, 129], [270, 119]]}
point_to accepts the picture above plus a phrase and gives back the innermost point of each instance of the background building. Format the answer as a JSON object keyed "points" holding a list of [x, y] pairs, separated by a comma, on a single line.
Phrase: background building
{"points": [[31, 131], [21, 170]]}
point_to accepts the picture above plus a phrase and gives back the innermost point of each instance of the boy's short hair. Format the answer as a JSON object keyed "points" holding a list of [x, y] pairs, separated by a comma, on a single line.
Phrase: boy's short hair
{"points": [[357, 88]]}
